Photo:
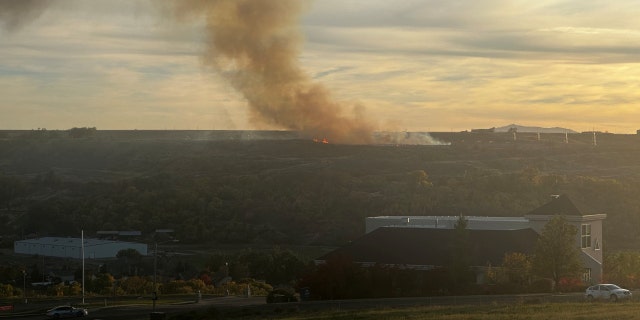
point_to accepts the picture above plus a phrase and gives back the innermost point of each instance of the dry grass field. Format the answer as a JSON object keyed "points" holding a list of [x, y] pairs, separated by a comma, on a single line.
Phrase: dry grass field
{"points": [[564, 311]]}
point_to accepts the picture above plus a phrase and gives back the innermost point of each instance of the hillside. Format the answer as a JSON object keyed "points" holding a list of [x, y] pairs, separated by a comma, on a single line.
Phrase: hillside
{"points": [[521, 128], [272, 187]]}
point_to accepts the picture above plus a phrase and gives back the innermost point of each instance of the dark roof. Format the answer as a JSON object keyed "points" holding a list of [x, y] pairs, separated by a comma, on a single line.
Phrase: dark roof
{"points": [[562, 205], [433, 247]]}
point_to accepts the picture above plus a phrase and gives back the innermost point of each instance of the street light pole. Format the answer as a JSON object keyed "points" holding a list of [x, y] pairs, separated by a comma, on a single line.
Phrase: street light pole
{"points": [[82, 249], [154, 294], [24, 285]]}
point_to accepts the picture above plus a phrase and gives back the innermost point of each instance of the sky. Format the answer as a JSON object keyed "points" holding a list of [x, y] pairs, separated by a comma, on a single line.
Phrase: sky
{"points": [[416, 65]]}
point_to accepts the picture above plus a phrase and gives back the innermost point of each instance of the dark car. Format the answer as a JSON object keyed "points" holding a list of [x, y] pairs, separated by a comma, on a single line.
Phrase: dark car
{"points": [[281, 295], [66, 312]]}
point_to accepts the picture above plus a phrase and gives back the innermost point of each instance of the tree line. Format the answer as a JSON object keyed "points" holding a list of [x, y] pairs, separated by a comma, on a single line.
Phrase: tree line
{"points": [[296, 192], [133, 274], [309, 207], [554, 266]]}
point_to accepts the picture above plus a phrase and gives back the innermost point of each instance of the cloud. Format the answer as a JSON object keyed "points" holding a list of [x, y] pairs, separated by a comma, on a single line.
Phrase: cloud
{"points": [[15, 14], [418, 64]]}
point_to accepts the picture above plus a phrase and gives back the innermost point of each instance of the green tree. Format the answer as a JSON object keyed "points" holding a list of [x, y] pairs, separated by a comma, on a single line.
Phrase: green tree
{"points": [[130, 253], [11, 188], [6, 290], [557, 255], [418, 192], [103, 283], [623, 268], [81, 132], [134, 285], [517, 268], [460, 255]]}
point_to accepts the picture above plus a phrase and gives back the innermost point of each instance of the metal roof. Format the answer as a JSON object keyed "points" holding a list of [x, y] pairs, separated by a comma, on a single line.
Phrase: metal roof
{"points": [[70, 242]]}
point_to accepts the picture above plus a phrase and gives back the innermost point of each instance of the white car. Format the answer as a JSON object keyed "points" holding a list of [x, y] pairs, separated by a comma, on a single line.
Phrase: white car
{"points": [[607, 291], [66, 312]]}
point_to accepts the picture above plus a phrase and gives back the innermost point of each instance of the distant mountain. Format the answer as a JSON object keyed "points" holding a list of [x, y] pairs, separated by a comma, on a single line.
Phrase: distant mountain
{"points": [[534, 129]]}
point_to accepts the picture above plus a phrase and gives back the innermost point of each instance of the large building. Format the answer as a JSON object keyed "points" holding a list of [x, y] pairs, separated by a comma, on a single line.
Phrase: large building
{"points": [[72, 247], [423, 241]]}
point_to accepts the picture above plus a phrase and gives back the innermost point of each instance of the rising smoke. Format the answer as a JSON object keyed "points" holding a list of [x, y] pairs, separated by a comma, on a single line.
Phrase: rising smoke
{"points": [[255, 44], [15, 13]]}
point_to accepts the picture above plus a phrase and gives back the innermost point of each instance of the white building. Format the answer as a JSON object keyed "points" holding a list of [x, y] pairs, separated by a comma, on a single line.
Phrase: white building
{"points": [[72, 247]]}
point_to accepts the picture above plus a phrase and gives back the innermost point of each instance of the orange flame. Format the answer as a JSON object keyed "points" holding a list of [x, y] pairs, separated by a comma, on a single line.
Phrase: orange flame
{"points": [[324, 140]]}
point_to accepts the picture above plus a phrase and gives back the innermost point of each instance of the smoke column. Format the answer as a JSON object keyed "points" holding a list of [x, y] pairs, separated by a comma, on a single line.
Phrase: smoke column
{"points": [[255, 45], [15, 13]]}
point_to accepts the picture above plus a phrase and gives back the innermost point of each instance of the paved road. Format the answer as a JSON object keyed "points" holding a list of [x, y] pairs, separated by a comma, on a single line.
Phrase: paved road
{"points": [[142, 311]]}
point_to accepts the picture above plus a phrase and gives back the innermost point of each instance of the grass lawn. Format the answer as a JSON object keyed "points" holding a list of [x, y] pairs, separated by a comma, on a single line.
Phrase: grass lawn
{"points": [[563, 311]]}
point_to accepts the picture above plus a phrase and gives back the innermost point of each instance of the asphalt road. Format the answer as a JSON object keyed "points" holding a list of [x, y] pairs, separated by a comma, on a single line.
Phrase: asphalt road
{"points": [[142, 311]]}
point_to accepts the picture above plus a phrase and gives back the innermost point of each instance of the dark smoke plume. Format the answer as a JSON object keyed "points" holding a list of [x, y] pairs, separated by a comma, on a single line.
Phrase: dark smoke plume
{"points": [[255, 44], [15, 13]]}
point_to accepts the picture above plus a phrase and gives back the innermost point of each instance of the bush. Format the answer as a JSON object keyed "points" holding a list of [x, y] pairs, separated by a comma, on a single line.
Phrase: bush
{"points": [[570, 285]]}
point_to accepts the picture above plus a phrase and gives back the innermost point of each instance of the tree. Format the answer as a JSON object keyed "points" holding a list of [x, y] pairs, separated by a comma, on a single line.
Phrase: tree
{"points": [[460, 255], [6, 290], [81, 132], [128, 257], [11, 188], [134, 285], [557, 255], [517, 268], [623, 268], [418, 192], [102, 283], [129, 253]]}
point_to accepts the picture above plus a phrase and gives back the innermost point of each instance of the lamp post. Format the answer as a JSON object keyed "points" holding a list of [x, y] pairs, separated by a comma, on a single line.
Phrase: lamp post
{"points": [[154, 294], [82, 250], [24, 285]]}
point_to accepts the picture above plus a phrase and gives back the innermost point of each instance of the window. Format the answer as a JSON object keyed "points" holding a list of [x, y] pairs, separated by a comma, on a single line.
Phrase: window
{"points": [[586, 275], [586, 236]]}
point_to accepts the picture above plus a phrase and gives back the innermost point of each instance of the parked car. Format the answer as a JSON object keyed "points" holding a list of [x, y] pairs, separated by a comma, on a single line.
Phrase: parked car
{"points": [[607, 291], [281, 295], [66, 312]]}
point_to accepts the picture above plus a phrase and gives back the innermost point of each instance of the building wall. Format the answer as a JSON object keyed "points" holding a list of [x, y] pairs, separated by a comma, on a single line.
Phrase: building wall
{"points": [[592, 257], [72, 247]]}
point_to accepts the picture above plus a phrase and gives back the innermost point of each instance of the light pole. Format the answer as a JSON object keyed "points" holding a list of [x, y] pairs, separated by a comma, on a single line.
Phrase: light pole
{"points": [[154, 294], [82, 249], [24, 285]]}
